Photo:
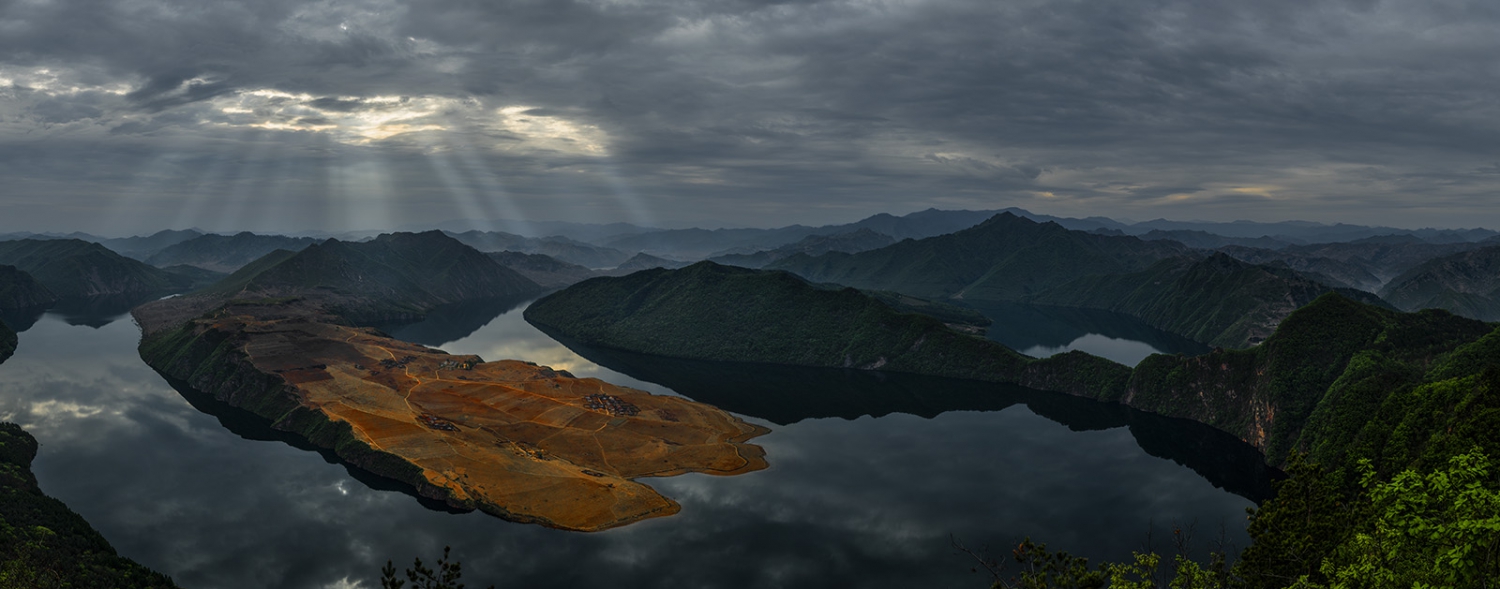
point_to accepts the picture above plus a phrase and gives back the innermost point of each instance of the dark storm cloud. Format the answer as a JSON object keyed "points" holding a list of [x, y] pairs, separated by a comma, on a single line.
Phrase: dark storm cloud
{"points": [[748, 112]]}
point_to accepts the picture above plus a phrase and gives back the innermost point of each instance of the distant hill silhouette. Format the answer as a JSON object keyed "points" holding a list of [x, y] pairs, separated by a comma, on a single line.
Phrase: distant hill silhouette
{"points": [[561, 248], [1466, 283], [225, 253], [542, 269], [74, 268], [395, 275], [1005, 258]]}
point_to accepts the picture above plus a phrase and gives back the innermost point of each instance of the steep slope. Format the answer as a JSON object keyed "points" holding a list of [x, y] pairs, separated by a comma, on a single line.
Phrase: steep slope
{"points": [[396, 275], [712, 312], [1005, 258], [18, 290], [73, 268], [1217, 300], [45, 544], [545, 270], [1338, 273], [225, 253], [1466, 283], [1333, 371], [8, 341], [561, 248]]}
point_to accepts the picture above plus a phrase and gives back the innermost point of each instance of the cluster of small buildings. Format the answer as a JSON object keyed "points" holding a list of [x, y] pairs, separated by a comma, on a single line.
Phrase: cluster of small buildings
{"points": [[436, 422], [462, 364], [393, 364], [609, 404]]}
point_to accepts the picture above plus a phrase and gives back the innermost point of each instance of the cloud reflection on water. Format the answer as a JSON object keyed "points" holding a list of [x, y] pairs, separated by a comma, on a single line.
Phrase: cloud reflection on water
{"points": [[868, 501]]}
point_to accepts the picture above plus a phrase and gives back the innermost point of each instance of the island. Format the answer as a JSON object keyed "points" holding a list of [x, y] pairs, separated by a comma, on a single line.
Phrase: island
{"points": [[514, 439]]}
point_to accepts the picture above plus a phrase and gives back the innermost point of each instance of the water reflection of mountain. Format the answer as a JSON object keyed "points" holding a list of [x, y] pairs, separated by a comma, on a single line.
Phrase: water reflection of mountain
{"points": [[788, 394], [95, 312], [451, 322], [1022, 326], [253, 427], [22, 319]]}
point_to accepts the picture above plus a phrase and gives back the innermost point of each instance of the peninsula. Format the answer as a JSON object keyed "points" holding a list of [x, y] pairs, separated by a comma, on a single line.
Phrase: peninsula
{"points": [[520, 441]]}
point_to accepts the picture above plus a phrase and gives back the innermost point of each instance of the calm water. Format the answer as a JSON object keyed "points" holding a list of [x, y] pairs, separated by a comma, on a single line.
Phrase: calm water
{"points": [[1040, 331], [869, 476]]}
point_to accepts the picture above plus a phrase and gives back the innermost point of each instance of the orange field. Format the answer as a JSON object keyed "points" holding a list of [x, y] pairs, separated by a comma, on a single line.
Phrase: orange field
{"points": [[518, 440]]}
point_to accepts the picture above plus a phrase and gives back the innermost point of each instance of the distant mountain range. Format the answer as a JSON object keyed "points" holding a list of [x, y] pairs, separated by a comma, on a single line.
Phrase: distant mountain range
{"points": [[1466, 283], [562, 248], [1005, 258], [544, 270], [224, 253]]}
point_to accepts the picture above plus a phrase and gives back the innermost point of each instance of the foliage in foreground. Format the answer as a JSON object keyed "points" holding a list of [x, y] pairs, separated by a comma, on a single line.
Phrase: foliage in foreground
{"points": [[446, 576], [43, 544], [1439, 529]]}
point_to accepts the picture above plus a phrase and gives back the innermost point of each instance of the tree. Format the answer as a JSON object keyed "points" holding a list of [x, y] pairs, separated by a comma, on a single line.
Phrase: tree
{"points": [[446, 576], [1440, 529]]}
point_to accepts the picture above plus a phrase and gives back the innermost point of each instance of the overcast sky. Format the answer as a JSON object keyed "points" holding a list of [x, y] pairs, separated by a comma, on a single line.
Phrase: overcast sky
{"points": [[122, 116]]}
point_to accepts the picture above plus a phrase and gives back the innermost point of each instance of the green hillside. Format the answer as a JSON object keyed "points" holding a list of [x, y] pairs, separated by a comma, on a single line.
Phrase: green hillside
{"points": [[45, 545], [1216, 300], [394, 275], [1329, 374], [73, 268], [712, 312], [1006, 258]]}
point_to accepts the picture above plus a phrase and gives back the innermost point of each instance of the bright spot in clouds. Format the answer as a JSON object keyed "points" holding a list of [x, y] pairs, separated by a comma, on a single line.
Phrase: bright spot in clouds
{"points": [[357, 120]]}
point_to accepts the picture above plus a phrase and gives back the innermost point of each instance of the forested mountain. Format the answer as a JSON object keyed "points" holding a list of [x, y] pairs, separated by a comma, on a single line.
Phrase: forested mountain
{"points": [[1336, 378], [1004, 258], [74, 268], [711, 312], [1466, 283], [1217, 300], [225, 253]]}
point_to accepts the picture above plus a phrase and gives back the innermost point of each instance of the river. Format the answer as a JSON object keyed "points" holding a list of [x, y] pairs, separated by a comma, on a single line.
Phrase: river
{"points": [[871, 475]]}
